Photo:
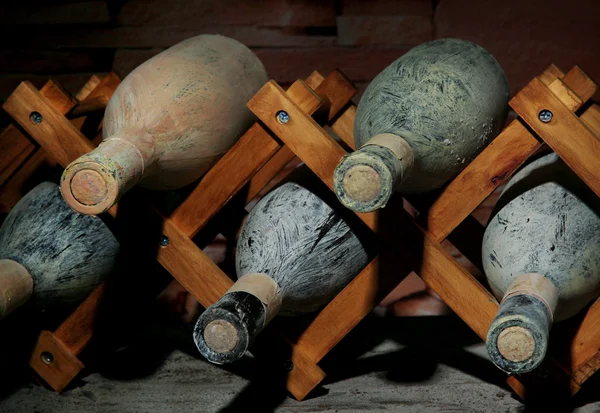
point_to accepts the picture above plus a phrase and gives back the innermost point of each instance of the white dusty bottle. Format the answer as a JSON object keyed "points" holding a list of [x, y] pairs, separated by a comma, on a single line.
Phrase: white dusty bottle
{"points": [[541, 256], [51, 256], [168, 122], [421, 121], [296, 251]]}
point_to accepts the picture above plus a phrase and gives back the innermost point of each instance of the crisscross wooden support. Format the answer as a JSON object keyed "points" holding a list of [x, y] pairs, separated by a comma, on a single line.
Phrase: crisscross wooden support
{"points": [[255, 159], [573, 138], [267, 147]]}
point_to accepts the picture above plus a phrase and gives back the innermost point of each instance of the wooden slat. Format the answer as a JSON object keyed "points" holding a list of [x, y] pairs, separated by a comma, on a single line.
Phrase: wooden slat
{"points": [[283, 156], [568, 137], [344, 126], [551, 74], [580, 83], [566, 95], [338, 90], [480, 178], [53, 128], [89, 86], [591, 119]]}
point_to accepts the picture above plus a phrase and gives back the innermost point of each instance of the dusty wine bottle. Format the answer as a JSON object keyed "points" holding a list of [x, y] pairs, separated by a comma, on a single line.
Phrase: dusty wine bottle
{"points": [[294, 254], [541, 257], [421, 121], [49, 254], [168, 122]]}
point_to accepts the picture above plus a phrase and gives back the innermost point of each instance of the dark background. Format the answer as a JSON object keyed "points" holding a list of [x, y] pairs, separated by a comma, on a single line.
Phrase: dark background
{"points": [[70, 40]]}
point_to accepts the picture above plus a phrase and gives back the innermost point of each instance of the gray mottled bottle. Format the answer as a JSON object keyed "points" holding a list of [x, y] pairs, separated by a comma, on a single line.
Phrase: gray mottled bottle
{"points": [[421, 121], [49, 254], [294, 254], [541, 256]]}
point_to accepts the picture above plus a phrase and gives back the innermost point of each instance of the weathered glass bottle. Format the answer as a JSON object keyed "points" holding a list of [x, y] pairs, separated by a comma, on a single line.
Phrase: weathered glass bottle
{"points": [[49, 254], [421, 121], [541, 256], [168, 122]]}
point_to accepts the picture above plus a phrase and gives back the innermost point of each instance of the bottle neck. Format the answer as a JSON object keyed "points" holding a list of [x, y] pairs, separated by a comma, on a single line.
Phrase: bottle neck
{"points": [[16, 286], [96, 181]]}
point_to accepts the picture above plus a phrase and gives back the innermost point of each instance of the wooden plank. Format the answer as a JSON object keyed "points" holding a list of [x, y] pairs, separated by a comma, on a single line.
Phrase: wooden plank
{"points": [[260, 179], [71, 82], [387, 7], [89, 86], [591, 119], [61, 368], [338, 90], [286, 65], [344, 126], [384, 30], [140, 37], [36, 12], [15, 147], [568, 137], [551, 74], [49, 62], [479, 179], [566, 95], [192, 13], [51, 130], [580, 83]]}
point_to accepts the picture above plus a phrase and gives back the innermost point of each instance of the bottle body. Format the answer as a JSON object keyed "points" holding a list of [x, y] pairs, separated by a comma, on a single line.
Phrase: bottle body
{"points": [[66, 254], [293, 255], [168, 122], [438, 105], [542, 247]]}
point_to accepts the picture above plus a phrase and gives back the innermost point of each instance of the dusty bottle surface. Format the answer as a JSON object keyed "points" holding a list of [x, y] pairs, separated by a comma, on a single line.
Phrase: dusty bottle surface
{"points": [[421, 121], [168, 122], [541, 254], [294, 254], [51, 255]]}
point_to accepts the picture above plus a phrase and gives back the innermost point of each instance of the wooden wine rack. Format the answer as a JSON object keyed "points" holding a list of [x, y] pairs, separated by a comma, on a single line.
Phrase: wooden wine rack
{"points": [[269, 145]]}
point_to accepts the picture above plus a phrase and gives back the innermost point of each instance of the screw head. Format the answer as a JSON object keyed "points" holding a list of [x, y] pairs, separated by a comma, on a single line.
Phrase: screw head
{"points": [[545, 116], [47, 357], [36, 117], [164, 241], [288, 365], [282, 116]]}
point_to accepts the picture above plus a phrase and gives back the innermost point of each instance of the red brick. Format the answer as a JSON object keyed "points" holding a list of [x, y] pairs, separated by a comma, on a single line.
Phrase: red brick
{"points": [[288, 65], [391, 30], [192, 13], [37, 12], [387, 7], [63, 37], [526, 36]]}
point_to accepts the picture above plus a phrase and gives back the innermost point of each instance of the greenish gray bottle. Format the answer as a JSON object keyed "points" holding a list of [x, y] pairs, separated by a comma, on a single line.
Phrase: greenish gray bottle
{"points": [[541, 256], [421, 121]]}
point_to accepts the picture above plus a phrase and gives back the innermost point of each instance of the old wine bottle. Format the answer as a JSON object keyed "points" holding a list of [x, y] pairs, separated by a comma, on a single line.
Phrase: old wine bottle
{"points": [[50, 254], [421, 121], [294, 254], [168, 122], [541, 256]]}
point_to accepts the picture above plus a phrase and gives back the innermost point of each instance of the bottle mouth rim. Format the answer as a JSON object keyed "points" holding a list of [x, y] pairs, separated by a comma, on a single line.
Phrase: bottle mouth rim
{"points": [[233, 348], [89, 188]]}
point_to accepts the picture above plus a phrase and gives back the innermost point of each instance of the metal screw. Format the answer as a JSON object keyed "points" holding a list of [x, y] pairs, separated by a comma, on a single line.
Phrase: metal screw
{"points": [[36, 117], [545, 116], [288, 365], [47, 357], [283, 117], [164, 241]]}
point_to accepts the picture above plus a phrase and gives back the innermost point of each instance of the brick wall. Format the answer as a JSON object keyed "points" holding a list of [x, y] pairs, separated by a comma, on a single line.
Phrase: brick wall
{"points": [[69, 40]]}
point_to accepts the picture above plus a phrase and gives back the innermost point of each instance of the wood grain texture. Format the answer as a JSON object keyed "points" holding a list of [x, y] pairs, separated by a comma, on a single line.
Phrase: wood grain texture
{"points": [[591, 119], [266, 173], [550, 74], [343, 126], [337, 90], [580, 83], [49, 133], [64, 366], [278, 13], [566, 95], [479, 179], [573, 142]]}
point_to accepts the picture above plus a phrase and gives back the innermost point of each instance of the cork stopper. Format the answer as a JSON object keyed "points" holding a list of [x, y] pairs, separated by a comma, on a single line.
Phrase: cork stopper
{"points": [[221, 336], [362, 183], [89, 188], [365, 179], [516, 344]]}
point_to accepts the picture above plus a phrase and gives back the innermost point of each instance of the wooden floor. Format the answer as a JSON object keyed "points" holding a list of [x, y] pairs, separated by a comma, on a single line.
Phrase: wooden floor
{"points": [[421, 364]]}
